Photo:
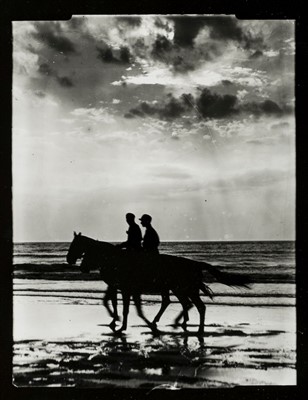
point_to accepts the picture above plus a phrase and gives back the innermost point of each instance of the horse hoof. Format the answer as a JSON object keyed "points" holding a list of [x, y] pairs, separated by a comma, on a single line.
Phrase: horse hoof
{"points": [[176, 322], [120, 331], [156, 332], [184, 327], [154, 328], [112, 326]]}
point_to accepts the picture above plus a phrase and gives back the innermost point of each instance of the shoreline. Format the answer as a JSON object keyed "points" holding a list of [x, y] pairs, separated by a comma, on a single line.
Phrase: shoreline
{"points": [[78, 290]]}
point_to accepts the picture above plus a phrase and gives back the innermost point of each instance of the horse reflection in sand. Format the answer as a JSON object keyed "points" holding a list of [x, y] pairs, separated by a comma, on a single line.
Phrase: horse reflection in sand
{"points": [[135, 273]]}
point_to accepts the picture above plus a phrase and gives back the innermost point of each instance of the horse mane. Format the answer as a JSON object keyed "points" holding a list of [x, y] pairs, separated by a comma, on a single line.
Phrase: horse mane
{"points": [[96, 242]]}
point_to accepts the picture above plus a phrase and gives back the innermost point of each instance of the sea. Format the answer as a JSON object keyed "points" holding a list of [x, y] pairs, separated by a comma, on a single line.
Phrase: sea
{"points": [[270, 266]]}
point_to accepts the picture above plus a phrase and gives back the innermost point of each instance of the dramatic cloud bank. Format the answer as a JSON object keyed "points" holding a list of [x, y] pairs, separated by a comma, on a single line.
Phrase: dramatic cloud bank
{"points": [[154, 114]]}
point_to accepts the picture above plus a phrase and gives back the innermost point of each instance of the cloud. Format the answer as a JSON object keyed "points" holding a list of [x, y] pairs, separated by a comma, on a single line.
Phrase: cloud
{"points": [[228, 28], [181, 60], [161, 45], [40, 94], [213, 105], [170, 109], [94, 114], [165, 76], [183, 43], [221, 28], [186, 29], [207, 105], [24, 61], [245, 76], [250, 180], [242, 93], [130, 21], [34, 98], [226, 82], [209, 75], [280, 125], [107, 55], [45, 69], [63, 81], [67, 120], [169, 172], [125, 55], [256, 54], [51, 34], [268, 107], [255, 141], [178, 50]]}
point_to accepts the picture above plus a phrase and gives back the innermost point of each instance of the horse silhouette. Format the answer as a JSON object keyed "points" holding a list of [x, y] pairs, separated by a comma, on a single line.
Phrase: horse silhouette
{"points": [[91, 260], [111, 294], [134, 273]]}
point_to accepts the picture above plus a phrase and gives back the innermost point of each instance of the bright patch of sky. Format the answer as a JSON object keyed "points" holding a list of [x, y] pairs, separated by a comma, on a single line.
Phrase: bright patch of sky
{"points": [[154, 114]]}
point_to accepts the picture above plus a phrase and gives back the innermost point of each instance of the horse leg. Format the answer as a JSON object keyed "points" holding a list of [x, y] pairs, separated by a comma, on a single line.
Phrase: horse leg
{"points": [[206, 290], [137, 300], [195, 298], [126, 300], [186, 304], [111, 294], [164, 304], [108, 296]]}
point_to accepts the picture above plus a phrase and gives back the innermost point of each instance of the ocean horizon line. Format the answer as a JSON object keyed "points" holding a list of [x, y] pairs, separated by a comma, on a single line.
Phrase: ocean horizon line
{"points": [[168, 241]]}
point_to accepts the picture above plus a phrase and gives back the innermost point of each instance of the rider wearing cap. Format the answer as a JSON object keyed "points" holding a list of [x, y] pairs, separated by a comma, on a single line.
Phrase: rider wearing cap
{"points": [[151, 238], [134, 236]]}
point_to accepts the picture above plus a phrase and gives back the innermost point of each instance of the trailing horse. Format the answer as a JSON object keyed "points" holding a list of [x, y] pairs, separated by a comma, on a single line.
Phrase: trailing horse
{"points": [[111, 294], [140, 272]]}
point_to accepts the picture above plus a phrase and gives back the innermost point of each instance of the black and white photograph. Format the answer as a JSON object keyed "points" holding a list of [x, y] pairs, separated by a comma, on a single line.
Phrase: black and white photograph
{"points": [[154, 181]]}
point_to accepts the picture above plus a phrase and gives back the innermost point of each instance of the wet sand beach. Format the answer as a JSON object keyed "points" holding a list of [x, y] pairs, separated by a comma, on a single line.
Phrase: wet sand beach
{"points": [[62, 338]]}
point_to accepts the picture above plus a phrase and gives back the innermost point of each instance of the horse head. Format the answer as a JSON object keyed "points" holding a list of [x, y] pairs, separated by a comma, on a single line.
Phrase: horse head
{"points": [[76, 249]]}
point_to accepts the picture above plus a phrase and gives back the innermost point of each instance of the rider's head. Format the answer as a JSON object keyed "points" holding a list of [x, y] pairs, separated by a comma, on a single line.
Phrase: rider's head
{"points": [[145, 220], [130, 218]]}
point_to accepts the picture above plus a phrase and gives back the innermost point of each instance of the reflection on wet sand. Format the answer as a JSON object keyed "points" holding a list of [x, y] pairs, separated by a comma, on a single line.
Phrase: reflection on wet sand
{"points": [[176, 359]]}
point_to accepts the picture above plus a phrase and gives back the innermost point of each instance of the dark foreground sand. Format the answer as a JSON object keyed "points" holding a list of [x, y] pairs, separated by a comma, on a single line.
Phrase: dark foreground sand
{"points": [[65, 341]]}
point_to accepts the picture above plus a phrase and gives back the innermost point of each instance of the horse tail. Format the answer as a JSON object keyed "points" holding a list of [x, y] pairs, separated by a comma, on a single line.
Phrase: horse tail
{"points": [[207, 291], [229, 279]]}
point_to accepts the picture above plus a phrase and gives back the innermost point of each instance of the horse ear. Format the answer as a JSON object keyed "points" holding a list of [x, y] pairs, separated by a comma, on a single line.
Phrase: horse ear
{"points": [[79, 234], [75, 234]]}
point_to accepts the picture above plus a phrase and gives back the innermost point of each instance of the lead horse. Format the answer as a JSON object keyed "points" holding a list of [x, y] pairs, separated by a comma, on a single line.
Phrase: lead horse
{"points": [[134, 273]]}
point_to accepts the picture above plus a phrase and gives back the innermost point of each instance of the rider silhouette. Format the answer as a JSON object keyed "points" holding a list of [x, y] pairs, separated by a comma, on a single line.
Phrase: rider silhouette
{"points": [[151, 239], [134, 236]]}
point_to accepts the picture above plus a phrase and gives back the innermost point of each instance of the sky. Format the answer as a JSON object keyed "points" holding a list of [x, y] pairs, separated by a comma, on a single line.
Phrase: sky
{"points": [[187, 118]]}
